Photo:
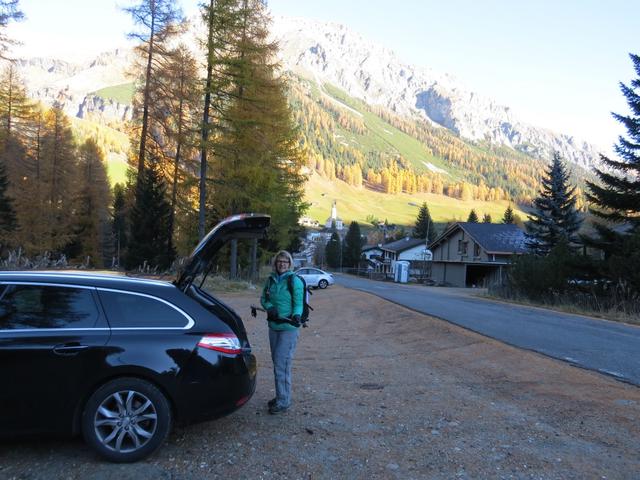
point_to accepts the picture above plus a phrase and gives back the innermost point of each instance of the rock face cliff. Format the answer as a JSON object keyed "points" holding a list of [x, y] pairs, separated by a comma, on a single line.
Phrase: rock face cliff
{"points": [[71, 86], [104, 110], [333, 54]]}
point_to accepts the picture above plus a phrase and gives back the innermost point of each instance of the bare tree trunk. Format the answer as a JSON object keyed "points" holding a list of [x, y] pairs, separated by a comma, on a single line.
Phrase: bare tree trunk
{"points": [[205, 129], [145, 108], [176, 168], [254, 260], [233, 268]]}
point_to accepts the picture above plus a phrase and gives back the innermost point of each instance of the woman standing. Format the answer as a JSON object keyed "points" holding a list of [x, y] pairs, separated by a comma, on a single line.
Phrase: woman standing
{"points": [[282, 298]]}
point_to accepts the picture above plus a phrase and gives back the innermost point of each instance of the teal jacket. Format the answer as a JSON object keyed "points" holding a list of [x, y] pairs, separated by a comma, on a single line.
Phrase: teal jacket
{"points": [[276, 294]]}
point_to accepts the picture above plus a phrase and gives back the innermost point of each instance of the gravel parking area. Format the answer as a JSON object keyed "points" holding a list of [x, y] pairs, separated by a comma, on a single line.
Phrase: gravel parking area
{"points": [[383, 392]]}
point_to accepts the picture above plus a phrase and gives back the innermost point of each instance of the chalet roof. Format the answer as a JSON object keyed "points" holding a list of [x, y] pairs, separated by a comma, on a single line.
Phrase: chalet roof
{"points": [[402, 244], [492, 237], [366, 248]]}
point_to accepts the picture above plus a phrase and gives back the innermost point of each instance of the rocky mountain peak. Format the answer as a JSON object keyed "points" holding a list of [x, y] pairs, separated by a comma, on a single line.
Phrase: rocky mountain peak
{"points": [[332, 53]]}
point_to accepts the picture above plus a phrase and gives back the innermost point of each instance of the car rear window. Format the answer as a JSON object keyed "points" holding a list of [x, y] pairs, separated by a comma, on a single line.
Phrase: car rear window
{"points": [[131, 310], [45, 307]]}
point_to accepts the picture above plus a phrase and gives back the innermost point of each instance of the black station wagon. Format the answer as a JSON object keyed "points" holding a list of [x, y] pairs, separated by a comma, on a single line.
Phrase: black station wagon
{"points": [[120, 359]]}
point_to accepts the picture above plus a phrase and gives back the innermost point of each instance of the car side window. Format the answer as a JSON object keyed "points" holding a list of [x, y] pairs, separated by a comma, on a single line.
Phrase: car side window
{"points": [[129, 310], [46, 307], [304, 271]]}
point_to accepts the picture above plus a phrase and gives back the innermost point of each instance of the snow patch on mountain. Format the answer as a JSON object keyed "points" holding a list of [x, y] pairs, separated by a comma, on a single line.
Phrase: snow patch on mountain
{"points": [[435, 169]]}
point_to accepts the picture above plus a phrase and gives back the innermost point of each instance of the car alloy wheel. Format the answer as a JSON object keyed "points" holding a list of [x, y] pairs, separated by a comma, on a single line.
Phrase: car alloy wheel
{"points": [[126, 419], [323, 284]]}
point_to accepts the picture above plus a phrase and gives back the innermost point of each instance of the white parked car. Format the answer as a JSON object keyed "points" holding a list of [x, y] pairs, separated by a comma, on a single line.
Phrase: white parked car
{"points": [[316, 277]]}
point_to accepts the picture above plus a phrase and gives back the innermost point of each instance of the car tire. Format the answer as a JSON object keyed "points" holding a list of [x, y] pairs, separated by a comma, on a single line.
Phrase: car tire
{"points": [[323, 284], [126, 419]]}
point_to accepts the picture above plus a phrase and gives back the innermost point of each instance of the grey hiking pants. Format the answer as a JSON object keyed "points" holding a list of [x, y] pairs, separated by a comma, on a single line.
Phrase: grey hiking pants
{"points": [[283, 346]]}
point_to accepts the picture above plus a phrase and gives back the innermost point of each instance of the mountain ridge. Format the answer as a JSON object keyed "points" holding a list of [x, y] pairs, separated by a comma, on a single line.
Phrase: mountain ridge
{"points": [[376, 75], [333, 53]]}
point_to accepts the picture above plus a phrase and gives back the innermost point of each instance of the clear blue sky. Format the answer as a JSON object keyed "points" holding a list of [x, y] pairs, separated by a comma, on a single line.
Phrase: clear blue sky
{"points": [[556, 63]]}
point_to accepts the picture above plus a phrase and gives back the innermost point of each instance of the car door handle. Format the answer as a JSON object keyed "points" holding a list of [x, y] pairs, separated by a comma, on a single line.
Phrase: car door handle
{"points": [[69, 349]]}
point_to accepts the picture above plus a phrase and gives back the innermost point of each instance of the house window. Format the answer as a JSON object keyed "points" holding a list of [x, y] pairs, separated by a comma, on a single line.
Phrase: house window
{"points": [[462, 247], [476, 250]]}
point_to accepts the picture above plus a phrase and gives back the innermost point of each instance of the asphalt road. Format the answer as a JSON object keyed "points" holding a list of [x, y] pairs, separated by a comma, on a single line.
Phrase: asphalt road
{"points": [[607, 347]]}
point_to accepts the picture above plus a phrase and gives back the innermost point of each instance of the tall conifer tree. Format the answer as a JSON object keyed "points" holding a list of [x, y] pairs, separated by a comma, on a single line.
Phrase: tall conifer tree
{"points": [[555, 219], [616, 199], [257, 160], [424, 227], [157, 21], [221, 20], [352, 246], [45, 213], [149, 221], [508, 217], [173, 116], [473, 217], [333, 251], [91, 226]]}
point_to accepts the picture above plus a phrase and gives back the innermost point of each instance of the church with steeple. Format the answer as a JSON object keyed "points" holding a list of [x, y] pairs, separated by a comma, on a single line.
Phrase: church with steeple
{"points": [[334, 219]]}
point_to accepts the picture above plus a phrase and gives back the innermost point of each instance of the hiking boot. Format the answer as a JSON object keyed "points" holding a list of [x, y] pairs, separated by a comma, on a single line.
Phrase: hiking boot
{"points": [[271, 403], [277, 409]]}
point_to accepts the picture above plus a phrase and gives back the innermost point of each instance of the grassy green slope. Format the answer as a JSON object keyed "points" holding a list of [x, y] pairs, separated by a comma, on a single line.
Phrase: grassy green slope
{"points": [[381, 136], [122, 93], [357, 203], [114, 143], [353, 203]]}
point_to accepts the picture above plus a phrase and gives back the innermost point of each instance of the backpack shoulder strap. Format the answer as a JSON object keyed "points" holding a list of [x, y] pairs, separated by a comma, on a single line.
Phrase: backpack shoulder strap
{"points": [[290, 285], [290, 280]]}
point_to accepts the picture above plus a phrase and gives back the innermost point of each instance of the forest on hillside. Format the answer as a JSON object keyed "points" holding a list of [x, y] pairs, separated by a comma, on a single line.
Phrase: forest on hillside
{"points": [[200, 148], [349, 140]]}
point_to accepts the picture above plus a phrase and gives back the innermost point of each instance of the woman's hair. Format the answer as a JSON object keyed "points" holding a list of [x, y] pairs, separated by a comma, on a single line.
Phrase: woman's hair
{"points": [[283, 254]]}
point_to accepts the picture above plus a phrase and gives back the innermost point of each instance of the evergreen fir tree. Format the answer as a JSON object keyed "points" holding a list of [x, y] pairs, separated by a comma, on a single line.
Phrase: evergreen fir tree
{"points": [[333, 251], [616, 199], [149, 221], [424, 227], [486, 218], [508, 217], [473, 217], [555, 218], [352, 246]]}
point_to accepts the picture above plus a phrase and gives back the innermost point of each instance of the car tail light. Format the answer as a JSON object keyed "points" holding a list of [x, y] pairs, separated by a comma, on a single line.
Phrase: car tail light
{"points": [[221, 342]]}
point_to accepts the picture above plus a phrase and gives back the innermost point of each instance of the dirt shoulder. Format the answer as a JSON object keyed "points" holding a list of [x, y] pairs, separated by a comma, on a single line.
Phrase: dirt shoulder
{"points": [[383, 392]]}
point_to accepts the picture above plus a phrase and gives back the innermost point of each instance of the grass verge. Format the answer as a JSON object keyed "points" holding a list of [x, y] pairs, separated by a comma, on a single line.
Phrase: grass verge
{"points": [[611, 314]]}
